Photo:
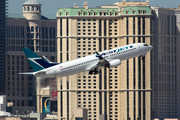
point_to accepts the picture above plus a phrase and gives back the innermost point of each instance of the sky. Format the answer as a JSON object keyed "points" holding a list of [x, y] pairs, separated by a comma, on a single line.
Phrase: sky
{"points": [[51, 6]]}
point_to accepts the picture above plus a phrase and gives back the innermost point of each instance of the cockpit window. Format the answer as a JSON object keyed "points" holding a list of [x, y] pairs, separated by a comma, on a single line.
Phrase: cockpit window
{"points": [[145, 45]]}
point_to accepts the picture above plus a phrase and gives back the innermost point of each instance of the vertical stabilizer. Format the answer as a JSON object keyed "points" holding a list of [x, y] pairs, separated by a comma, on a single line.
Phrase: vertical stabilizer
{"points": [[37, 62], [33, 58]]}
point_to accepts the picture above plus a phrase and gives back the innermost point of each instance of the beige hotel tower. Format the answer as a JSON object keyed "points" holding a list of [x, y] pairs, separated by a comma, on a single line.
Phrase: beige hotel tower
{"points": [[119, 93]]}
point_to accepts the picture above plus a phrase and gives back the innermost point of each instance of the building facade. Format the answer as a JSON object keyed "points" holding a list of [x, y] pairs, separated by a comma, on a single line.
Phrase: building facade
{"points": [[137, 89], [165, 56], [37, 32], [119, 93], [3, 14]]}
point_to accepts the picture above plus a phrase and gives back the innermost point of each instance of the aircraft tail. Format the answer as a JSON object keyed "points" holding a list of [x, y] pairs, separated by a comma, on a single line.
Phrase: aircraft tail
{"points": [[37, 63]]}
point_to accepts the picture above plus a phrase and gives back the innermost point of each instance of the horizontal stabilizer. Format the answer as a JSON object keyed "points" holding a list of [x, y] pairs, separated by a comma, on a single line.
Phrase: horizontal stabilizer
{"points": [[47, 60], [26, 73]]}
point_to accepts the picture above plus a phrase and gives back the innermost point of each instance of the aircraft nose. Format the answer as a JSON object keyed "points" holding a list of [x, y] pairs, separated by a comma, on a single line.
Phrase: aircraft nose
{"points": [[150, 47]]}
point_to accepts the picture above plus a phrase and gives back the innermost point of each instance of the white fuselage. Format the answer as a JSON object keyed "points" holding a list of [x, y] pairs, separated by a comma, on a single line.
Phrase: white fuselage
{"points": [[81, 64]]}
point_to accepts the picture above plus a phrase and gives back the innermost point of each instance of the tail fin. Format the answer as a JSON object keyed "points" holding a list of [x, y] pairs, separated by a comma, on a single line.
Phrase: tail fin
{"points": [[36, 62]]}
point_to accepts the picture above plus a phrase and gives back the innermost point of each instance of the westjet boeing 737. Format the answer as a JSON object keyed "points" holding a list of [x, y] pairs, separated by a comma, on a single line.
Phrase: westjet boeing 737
{"points": [[108, 58]]}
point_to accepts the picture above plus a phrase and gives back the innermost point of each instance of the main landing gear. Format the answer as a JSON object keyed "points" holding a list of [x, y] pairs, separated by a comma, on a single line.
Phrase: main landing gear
{"points": [[142, 57], [90, 72], [95, 71]]}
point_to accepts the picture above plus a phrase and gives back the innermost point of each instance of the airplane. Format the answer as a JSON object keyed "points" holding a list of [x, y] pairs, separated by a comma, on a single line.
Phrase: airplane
{"points": [[92, 63]]}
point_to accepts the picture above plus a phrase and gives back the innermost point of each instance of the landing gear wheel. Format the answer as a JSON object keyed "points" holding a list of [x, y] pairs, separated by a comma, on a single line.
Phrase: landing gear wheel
{"points": [[96, 71], [90, 72]]}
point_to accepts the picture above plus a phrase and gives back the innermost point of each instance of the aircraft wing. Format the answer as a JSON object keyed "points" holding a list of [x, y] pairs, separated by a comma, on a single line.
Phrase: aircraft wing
{"points": [[102, 62]]}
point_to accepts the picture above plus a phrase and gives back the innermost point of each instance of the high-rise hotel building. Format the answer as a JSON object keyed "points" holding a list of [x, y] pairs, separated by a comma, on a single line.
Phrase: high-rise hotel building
{"points": [[118, 93], [165, 66], [38, 33], [3, 15]]}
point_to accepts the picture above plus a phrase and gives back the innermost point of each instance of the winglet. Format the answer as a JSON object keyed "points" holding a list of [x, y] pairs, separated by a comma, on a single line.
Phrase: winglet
{"points": [[47, 60], [98, 55]]}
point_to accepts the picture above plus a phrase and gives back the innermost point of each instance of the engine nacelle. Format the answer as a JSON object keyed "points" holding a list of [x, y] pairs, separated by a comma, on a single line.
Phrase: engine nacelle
{"points": [[114, 63]]}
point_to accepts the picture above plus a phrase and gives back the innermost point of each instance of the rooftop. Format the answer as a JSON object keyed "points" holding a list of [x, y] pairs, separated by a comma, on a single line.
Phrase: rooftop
{"points": [[31, 2], [20, 16], [126, 10]]}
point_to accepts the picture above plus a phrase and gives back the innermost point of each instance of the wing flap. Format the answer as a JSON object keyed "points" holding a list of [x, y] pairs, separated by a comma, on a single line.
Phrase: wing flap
{"points": [[91, 67]]}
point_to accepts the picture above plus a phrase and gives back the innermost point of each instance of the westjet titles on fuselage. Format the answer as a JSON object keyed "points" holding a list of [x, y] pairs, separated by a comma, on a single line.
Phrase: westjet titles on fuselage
{"points": [[117, 50]]}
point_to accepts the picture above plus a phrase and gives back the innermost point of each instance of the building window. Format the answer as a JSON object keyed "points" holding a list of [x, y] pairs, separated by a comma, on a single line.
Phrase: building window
{"points": [[89, 13], [30, 103], [79, 13], [32, 35], [144, 11], [46, 33], [36, 8], [94, 13], [32, 29], [32, 8], [37, 35], [37, 29], [110, 13], [27, 8], [133, 11], [22, 102], [67, 13], [127, 11]]}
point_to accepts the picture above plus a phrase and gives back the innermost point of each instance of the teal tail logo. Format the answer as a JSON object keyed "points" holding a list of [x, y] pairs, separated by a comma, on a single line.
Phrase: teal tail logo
{"points": [[37, 63]]}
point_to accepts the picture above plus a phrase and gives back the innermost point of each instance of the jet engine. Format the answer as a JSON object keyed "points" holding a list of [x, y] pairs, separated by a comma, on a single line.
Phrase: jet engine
{"points": [[114, 63]]}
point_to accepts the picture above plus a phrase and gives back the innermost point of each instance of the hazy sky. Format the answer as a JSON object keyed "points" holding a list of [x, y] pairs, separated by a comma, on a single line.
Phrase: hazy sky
{"points": [[51, 6]]}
